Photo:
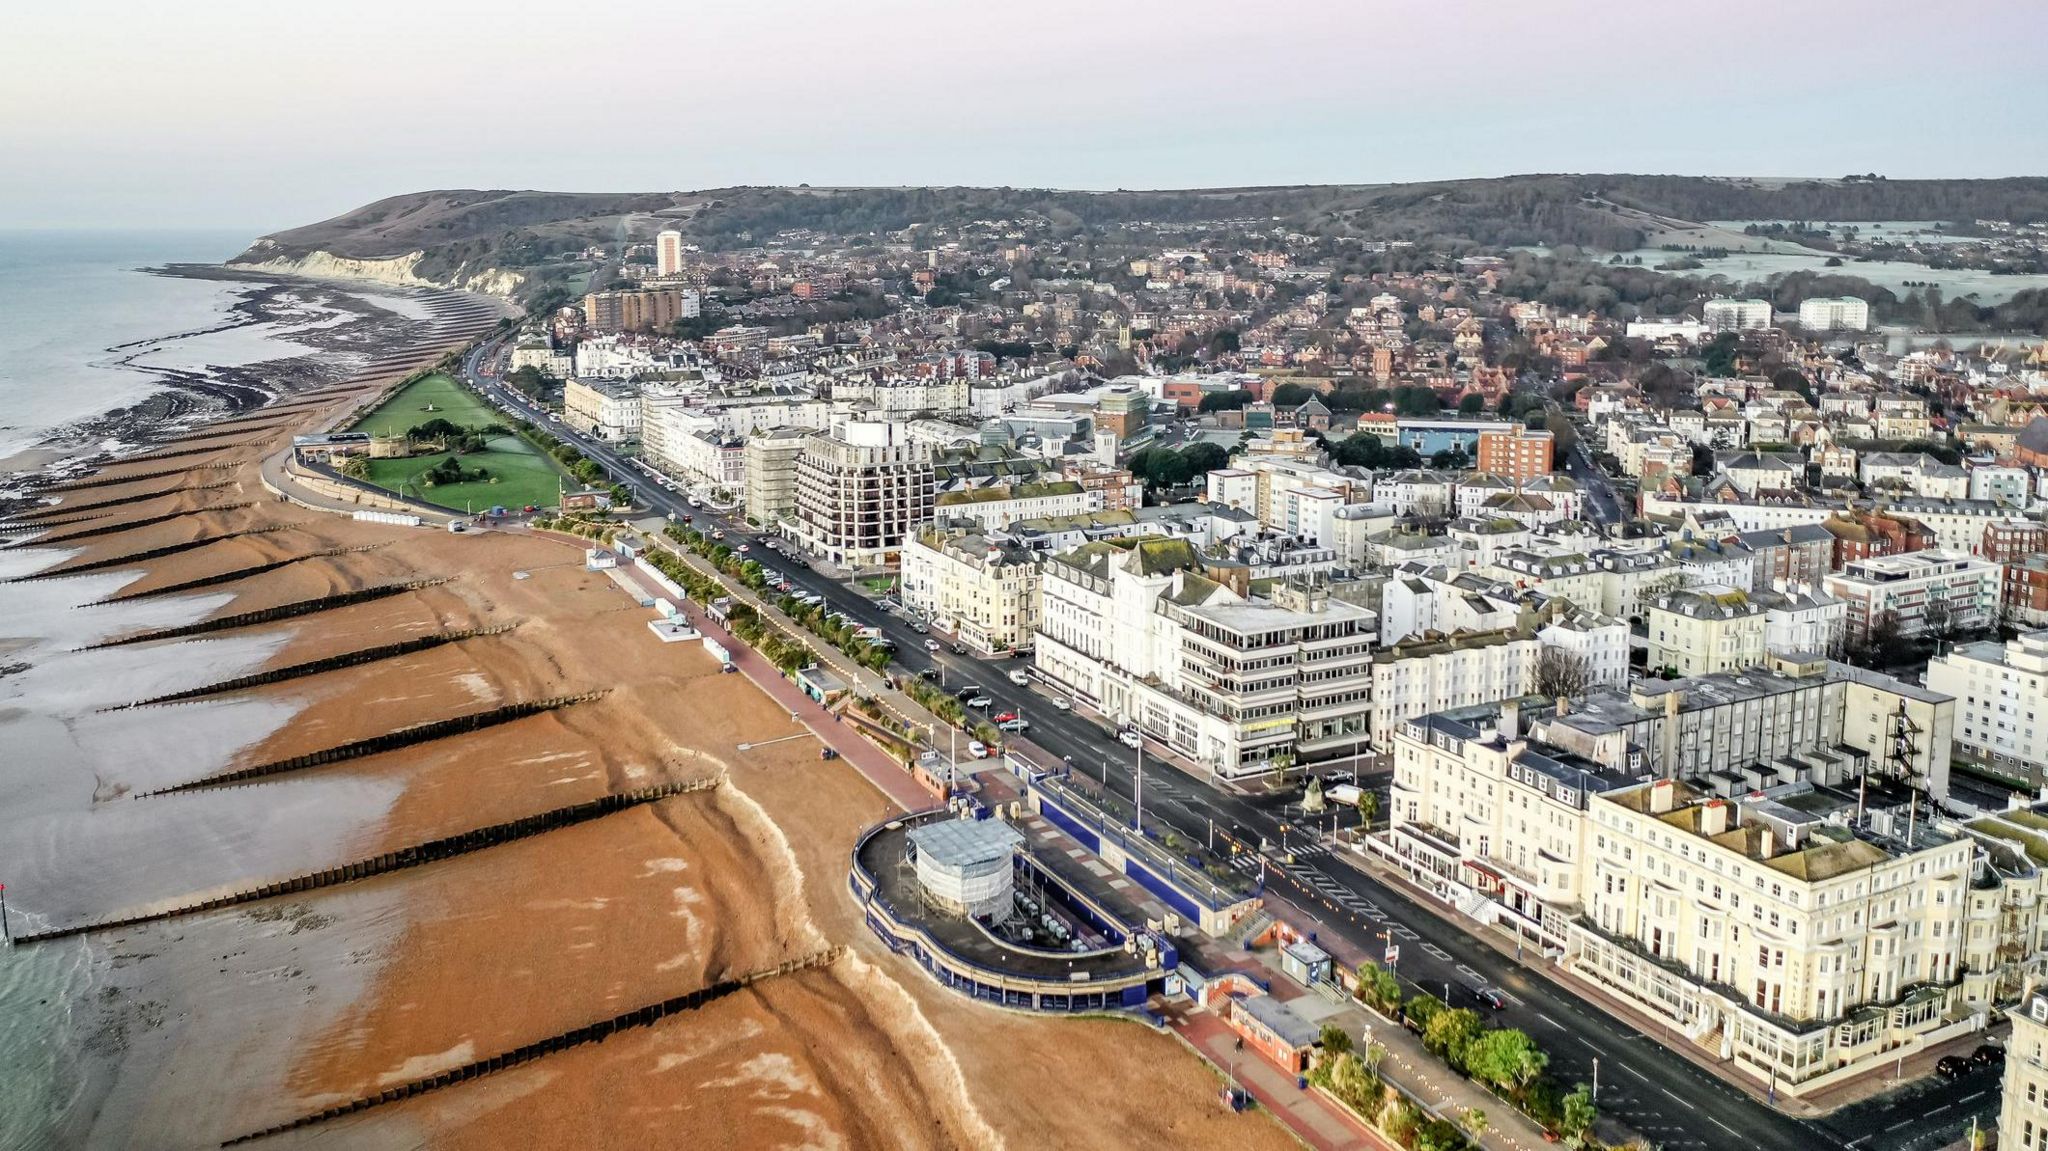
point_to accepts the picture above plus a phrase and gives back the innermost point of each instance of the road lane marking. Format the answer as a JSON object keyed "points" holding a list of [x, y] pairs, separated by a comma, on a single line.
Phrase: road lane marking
{"points": [[1547, 1019], [1967, 1098], [1724, 1126], [1634, 1072], [1679, 1099]]}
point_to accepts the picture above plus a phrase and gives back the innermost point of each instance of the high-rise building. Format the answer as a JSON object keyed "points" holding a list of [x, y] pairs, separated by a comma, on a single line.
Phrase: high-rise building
{"points": [[1724, 315], [668, 254], [860, 490], [1516, 454], [651, 308], [1845, 313]]}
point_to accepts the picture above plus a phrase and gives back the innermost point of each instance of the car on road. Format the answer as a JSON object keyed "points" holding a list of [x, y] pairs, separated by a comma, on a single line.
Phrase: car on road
{"points": [[1988, 1055], [1018, 725], [1129, 737], [743, 549], [1005, 715], [959, 649], [931, 645], [718, 533], [968, 692], [1489, 997], [921, 629], [977, 749], [980, 701], [1062, 704], [1952, 1067], [927, 673], [1021, 678]]}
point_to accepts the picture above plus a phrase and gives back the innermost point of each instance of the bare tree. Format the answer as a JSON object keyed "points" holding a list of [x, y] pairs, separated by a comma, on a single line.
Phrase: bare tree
{"points": [[1560, 672], [1937, 620]]}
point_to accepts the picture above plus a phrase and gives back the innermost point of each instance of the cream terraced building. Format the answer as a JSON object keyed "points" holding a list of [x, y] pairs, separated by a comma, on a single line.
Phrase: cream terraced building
{"points": [[983, 590], [1787, 929]]}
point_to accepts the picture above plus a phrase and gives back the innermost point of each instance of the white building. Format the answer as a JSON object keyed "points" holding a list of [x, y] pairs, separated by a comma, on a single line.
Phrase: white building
{"points": [[1419, 676], [983, 590], [1725, 315], [1705, 629], [668, 254], [2001, 695], [606, 408], [1838, 314], [1918, 591], [998, 506], [1239, 686]]}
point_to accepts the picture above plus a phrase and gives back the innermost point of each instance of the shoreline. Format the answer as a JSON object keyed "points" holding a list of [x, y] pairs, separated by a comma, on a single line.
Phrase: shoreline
{"points": [[197, 1028]]}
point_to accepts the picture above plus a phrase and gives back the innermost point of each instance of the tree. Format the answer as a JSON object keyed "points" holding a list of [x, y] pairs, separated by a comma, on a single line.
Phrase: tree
{"points": [[1225, 401], [1368, 808], [1451, 459], [1204, 457], [1562, 673], [1450, 1033], [1937, 619], [1379, 987], [1506, 1058], [1290, 395], [1576, 1116], [1422, 1009], [1335, 1040], [1473, 404], [1475, 1122]]}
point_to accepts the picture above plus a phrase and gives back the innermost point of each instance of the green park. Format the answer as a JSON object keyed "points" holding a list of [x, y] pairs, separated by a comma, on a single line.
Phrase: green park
{"points": [[461, 453]]}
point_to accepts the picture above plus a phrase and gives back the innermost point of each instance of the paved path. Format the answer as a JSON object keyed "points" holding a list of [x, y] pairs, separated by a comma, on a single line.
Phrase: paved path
{"points": [[872, 762], [1312, 1118]]}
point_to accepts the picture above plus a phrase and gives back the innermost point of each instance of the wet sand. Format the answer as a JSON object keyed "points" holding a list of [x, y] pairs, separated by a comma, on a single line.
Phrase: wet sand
{"points": [[196, 1029]]}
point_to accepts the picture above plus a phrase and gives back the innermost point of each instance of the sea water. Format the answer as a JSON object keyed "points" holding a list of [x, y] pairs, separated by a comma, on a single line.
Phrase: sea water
{"points": [[68, 298]]}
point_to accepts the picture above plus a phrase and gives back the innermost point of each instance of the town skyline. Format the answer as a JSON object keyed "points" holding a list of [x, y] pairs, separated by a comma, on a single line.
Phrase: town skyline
{"points": [[269, 119]]}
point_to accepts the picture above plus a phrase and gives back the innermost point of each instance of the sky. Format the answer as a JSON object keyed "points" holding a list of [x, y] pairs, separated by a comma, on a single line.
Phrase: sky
{"points": [[261, 116]]}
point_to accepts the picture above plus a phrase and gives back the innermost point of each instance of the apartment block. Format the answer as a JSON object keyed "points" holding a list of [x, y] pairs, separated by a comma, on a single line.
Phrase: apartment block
{"points": [[1803, 931], [1919, 591], [769, 461], [1704, 630], [1736, 315], [1516, 455], [635, 311], [859, 491], [2023, 1103], [2001, 693], [984, 590]]}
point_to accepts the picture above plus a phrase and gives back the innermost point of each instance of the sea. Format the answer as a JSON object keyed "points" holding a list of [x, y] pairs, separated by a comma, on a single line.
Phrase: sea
{"points": [[82, 330], [75, 305]]}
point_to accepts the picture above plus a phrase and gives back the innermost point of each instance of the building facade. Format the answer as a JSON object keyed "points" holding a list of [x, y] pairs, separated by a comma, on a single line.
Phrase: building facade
{"points": [[859, 491], [2001, 693], [984, 591]]}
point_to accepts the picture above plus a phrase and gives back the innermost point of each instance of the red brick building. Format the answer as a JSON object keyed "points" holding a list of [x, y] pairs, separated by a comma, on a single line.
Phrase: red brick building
{"points": [[1860, 535], [1517, 455], [2013, 541]]}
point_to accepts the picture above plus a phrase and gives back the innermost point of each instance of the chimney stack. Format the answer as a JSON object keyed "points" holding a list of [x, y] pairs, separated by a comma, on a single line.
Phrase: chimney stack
{"points": [[1663, 796], [1510, 720]]}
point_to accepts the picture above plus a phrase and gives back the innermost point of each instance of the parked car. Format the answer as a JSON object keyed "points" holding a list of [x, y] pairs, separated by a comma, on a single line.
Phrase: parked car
{"points": [[1952, 1067], [1063, 705], [742, 549], [931, 645], [1988, 1055], [1019, 725], [1021, 678], [927, 673], [980, 701], [1005, 715], [977, 749], [959, 649], [921, 629], [1129, 737]]}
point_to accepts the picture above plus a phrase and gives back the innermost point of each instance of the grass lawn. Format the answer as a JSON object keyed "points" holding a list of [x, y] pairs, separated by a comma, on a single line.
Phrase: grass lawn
{"points": [[520, 473], [450, 401]]}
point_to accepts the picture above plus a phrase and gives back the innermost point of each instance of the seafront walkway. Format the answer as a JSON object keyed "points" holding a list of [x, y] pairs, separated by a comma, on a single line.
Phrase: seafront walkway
{"points": [[1313, 1119], [872, 762]]}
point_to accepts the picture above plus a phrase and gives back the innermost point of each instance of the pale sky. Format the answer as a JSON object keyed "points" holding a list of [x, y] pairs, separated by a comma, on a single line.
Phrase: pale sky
{"points": [[263, 115]]}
